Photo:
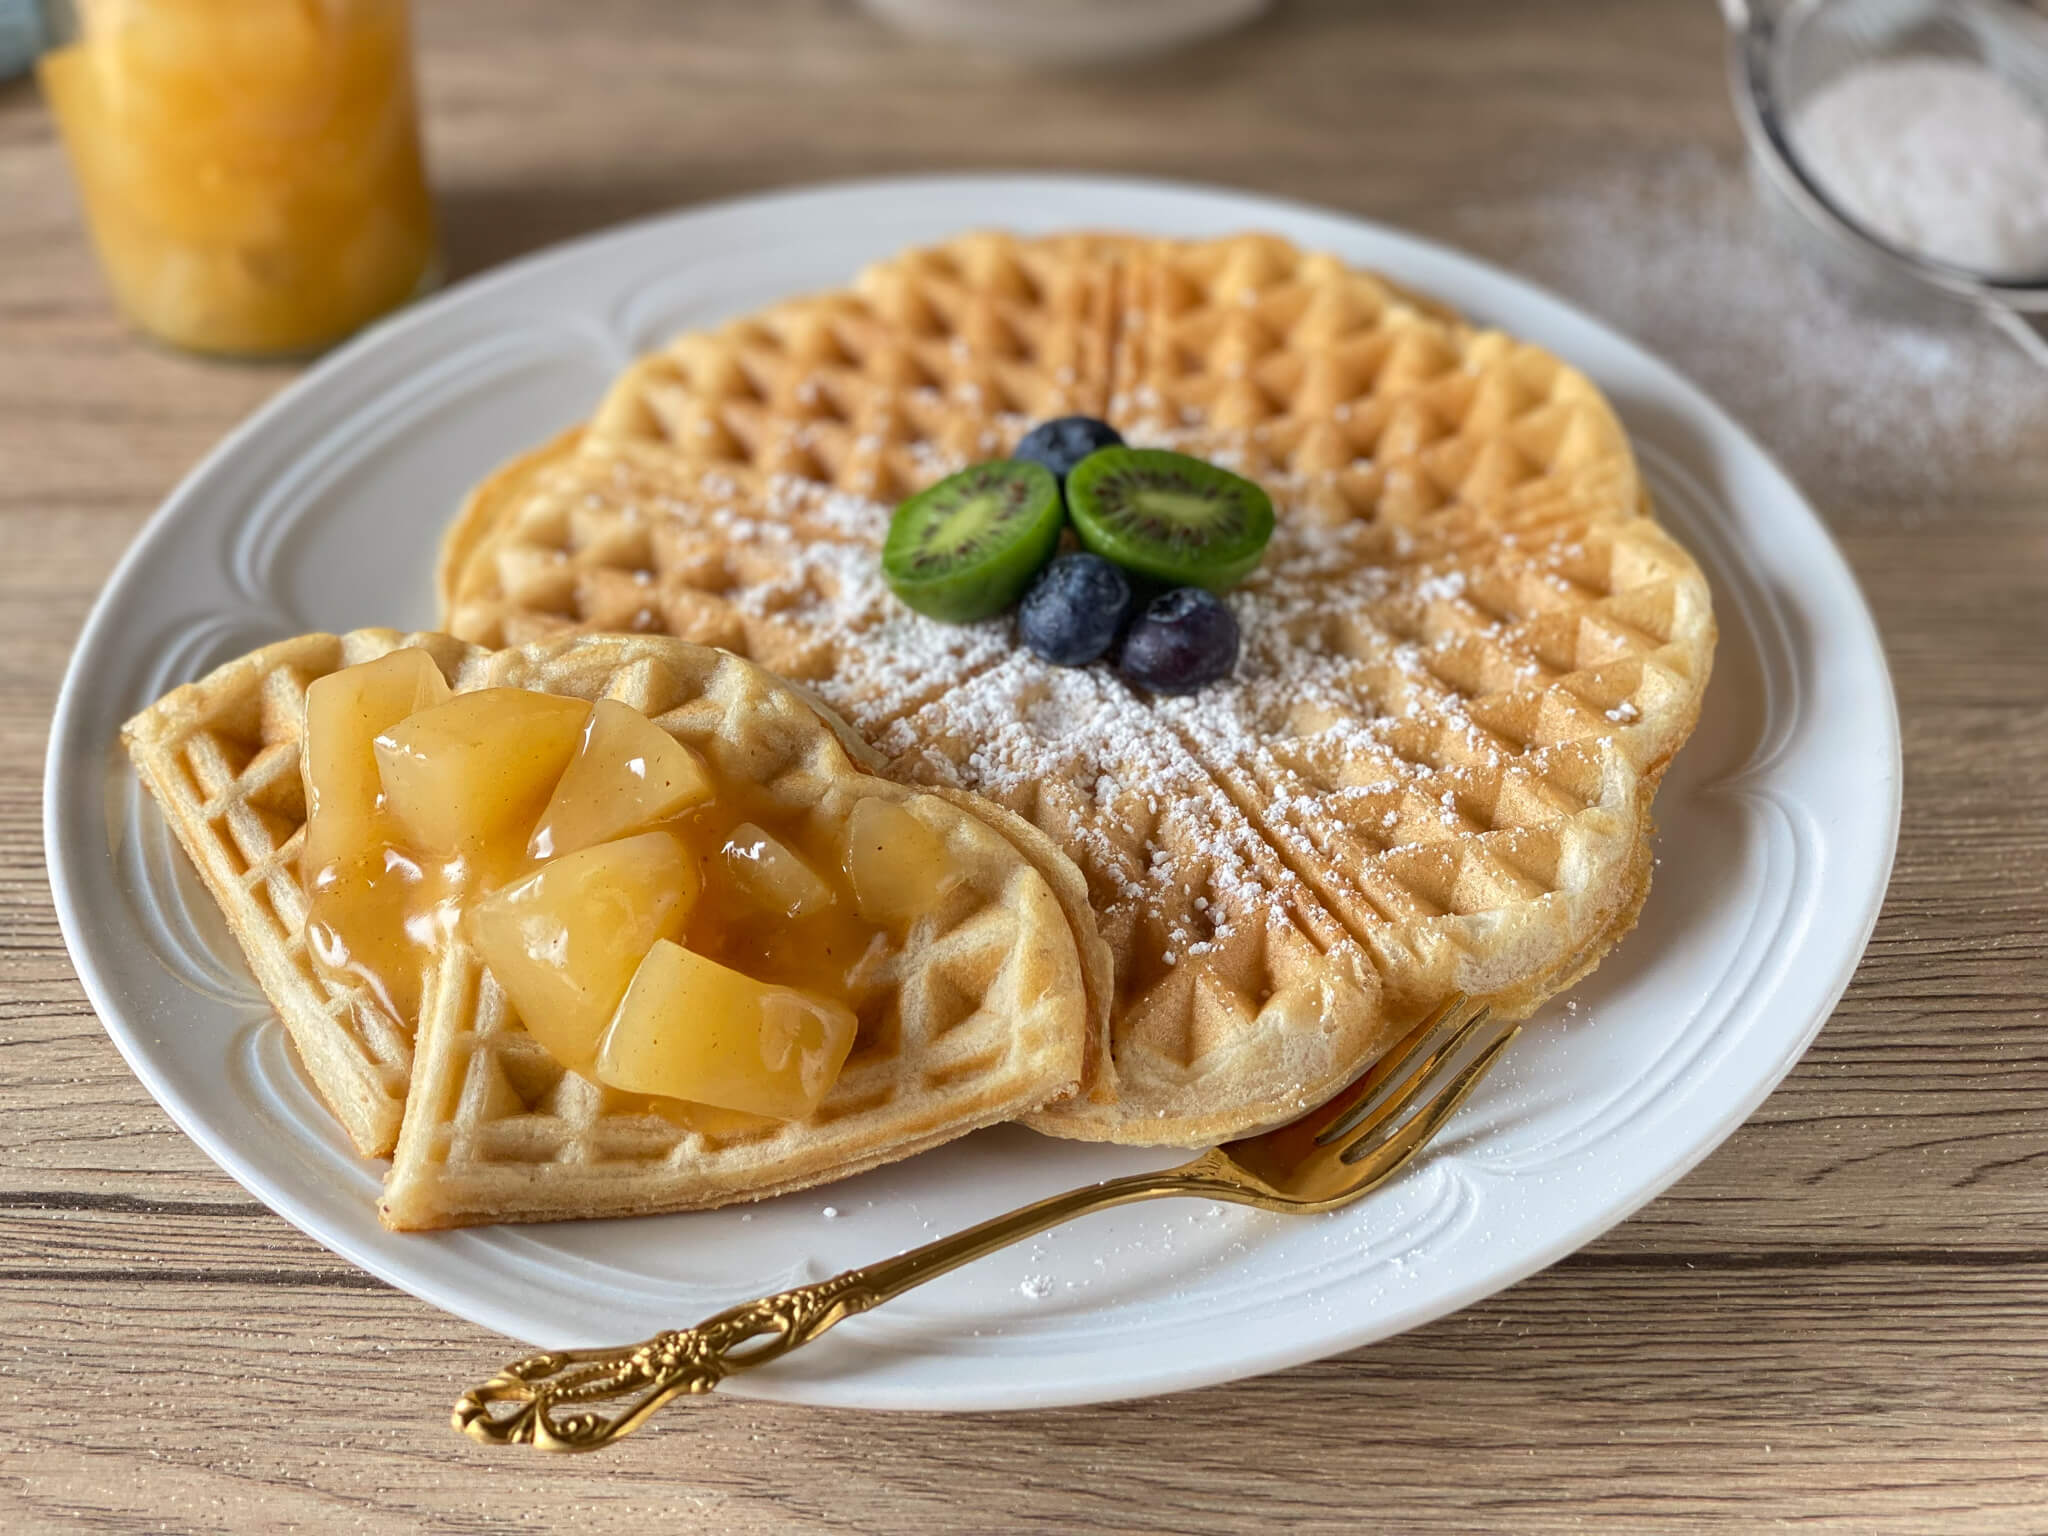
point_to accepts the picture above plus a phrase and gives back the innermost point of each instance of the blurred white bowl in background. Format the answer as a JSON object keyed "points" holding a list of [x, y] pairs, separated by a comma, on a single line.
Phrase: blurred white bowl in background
{"points": [[1067, 31]]}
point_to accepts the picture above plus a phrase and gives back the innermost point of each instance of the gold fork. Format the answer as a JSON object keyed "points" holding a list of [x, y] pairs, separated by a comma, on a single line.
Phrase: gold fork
{"points": [[1328, 1158]]}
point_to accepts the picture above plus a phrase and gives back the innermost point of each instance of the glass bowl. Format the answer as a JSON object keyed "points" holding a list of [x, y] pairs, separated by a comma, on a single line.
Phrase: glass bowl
{"points": [[1781, 55]]}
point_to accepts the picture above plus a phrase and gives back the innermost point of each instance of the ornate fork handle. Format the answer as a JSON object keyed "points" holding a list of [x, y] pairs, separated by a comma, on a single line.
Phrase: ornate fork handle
{"points": [[695, 1360]]}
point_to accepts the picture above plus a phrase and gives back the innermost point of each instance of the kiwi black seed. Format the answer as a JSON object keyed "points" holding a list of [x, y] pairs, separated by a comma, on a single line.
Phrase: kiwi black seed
{"points": [[1165, 515], [965, 548]]}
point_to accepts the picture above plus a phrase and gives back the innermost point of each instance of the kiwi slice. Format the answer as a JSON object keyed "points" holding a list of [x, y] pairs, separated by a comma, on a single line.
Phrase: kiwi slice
{"points": [[1168, 516], [965, 548]]}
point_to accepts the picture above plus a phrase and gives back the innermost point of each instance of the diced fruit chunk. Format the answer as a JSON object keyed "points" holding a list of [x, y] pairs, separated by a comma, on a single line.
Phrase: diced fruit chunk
{"points": [[564, 943], [477, 770], [376, 916], [345, 711], [707, 1121], [690, 1028], [628, 773], [772, 873], [899, 866]]}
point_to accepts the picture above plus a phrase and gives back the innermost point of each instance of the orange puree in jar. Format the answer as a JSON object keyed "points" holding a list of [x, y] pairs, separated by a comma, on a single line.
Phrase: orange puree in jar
{"points": [[250, 168]]}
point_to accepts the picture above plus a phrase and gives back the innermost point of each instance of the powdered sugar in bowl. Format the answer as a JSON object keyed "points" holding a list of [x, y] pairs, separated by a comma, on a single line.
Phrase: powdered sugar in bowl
{"points": [[1905, 143]]}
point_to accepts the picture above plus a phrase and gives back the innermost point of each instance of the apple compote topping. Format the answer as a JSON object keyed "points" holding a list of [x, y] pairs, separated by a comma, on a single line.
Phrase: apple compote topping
{"points": [[660, 929]]}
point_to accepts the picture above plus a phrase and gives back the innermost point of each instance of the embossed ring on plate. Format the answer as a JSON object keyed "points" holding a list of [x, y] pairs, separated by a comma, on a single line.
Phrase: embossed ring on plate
{"points": [[322, 512]]}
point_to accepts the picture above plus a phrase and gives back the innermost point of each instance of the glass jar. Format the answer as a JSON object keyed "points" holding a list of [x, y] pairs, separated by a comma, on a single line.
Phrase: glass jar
{"points": [[250, 169]]}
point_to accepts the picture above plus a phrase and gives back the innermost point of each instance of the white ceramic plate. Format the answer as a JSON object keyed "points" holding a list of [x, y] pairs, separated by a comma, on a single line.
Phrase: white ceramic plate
{"points": [[322, 512]]}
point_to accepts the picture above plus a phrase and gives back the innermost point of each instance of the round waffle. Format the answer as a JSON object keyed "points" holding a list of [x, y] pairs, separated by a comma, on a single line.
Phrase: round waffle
{"points": [[1469, 653]]}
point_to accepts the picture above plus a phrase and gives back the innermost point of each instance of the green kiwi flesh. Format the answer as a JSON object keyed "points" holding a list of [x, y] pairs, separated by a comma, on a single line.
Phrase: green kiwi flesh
{"points": [[966, 548], [1166, 515]]}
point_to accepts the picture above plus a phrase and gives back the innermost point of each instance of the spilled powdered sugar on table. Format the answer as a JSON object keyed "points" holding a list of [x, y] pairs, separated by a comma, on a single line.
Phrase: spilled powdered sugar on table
{"points": [[1866, 408]]}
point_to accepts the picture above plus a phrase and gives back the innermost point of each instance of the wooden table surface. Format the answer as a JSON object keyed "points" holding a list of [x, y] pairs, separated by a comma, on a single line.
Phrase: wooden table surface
{"points": [[1839, 1320]]}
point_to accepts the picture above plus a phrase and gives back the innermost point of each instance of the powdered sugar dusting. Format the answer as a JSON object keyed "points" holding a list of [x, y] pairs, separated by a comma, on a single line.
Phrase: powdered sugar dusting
{"points": [[1339, 739]]}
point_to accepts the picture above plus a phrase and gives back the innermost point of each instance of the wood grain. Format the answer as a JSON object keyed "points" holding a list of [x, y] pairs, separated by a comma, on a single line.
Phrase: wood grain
{"points": [[1836, 1321]]}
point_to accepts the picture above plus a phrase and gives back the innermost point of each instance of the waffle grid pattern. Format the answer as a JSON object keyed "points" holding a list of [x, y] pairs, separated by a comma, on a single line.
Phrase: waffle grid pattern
{"points": [[941, 356], [1469, 657], [221, 757]]}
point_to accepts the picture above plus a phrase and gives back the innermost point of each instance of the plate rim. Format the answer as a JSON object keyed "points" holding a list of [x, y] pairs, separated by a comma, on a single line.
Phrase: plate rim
{"points": [[63, 791]]}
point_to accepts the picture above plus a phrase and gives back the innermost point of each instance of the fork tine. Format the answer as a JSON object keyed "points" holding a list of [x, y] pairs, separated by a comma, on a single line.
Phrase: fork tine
{"points": [[1386, 1147], [1440, 1036]]}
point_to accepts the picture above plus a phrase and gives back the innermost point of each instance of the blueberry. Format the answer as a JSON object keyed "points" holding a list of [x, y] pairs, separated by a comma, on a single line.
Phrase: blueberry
{"points": [[1184, 639], [1061, 444], [1072, 612]]}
